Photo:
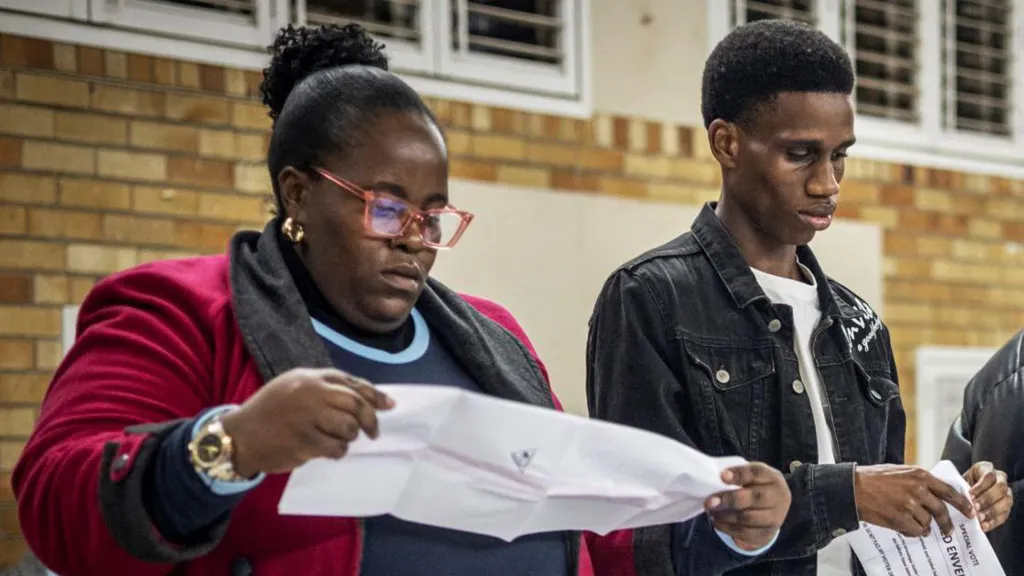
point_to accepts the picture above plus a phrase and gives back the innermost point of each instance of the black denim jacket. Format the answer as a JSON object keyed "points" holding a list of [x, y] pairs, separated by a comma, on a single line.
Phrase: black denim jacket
{"points": [[684, 342]]}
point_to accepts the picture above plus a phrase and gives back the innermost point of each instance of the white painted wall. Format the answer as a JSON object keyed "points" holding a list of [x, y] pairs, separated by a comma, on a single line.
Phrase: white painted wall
{"points": [[544, 255]]}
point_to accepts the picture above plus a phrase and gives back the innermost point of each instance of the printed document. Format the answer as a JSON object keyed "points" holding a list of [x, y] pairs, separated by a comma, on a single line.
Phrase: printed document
{"points": [[965, 552], [456, 459]]}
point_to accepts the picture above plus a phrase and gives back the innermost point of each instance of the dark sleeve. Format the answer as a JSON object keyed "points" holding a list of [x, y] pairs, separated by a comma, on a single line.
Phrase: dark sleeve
{"points": [[630, 381], [182, 507]]}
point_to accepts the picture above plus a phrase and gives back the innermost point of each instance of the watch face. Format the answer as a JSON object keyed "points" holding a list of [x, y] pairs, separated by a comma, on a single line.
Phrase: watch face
{"points": [[209, 448]]}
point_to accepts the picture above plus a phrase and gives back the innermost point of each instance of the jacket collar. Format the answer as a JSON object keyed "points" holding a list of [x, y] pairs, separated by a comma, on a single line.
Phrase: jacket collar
{"points": [[732, 268], [279, 335]]}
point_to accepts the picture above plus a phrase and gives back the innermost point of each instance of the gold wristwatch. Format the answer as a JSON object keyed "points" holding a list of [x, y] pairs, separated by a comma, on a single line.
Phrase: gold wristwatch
{"points": [[211, 451]]}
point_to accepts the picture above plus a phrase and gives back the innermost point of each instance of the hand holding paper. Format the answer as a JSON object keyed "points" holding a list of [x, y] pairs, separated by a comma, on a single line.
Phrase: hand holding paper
{"points": [[964, 552], [451, 458]]}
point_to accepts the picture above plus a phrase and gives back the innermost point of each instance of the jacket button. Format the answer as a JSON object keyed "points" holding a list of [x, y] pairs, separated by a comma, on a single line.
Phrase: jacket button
{"points": [[798, 387], [241, 567], [875, 395], [838, 532], [774, 325], [120, 463], [722, 376], [795, 465]]}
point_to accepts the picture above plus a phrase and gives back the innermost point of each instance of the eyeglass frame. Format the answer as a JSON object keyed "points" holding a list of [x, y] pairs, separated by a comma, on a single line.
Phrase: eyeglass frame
{"points": [[416, 214]]}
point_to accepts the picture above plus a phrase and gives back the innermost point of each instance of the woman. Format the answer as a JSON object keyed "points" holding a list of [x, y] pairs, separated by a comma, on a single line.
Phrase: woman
{"points": [[195, 385]]}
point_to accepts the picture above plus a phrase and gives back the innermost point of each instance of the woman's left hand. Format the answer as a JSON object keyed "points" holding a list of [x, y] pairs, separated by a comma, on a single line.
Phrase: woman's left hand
{"points": [[991, 493]]}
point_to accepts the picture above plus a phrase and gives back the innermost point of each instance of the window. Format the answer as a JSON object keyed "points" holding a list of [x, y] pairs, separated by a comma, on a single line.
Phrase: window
{"points": [[977, 62], [519, 53], [939, 82]]}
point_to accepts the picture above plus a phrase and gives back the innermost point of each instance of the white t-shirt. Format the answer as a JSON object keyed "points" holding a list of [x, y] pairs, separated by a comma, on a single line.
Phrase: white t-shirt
{"points": [[835, 559]]}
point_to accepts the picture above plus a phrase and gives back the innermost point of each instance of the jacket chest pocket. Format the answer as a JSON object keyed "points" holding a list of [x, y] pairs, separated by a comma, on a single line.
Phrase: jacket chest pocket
{"points": [[879, 396], [734, 383]]}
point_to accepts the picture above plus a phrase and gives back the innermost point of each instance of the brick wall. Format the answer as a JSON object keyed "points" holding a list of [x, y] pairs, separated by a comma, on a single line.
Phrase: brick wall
{"points": [[109, 159]]}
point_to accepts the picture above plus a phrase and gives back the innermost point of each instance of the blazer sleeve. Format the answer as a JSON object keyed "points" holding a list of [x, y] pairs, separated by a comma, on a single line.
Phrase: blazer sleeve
{"points": [[141, 364]]}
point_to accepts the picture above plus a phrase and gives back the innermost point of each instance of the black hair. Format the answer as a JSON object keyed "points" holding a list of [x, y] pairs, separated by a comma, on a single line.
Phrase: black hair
{"points": [[322, 87], [758, 61]]}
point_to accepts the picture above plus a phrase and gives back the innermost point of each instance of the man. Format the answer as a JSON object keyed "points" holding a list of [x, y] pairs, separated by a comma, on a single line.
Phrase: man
{"points": [[730, 338], [990, 428]]}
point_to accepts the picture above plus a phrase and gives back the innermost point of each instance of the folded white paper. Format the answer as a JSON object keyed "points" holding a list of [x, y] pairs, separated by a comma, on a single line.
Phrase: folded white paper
{"points": [[456, 459], [965, 552]]}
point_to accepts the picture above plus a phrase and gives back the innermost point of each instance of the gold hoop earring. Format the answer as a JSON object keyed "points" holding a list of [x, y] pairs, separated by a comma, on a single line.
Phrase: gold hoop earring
{"points": [[293, 231]]}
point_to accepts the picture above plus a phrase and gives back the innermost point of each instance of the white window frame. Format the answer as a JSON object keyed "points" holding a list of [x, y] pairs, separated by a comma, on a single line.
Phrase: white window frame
{"points": [[74, 9], [927, 143], [151, 16], [934, 363], [404, 56], [142, 27]]}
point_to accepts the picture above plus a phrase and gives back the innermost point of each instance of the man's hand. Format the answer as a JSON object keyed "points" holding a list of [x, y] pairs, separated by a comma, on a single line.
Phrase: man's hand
{"points": [[992, 495], [753, 514], [906, 499]]}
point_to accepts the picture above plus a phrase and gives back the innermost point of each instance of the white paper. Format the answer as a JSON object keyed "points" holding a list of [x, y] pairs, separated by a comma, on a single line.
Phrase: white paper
{"points": [[456, 459], [965, 552]]}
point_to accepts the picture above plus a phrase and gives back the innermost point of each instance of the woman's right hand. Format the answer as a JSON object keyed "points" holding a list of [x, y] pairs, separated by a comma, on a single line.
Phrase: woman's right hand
{"points": [[300, 415]]}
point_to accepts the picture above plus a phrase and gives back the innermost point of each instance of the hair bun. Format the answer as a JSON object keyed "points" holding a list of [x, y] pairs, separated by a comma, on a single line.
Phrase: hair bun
{"points": [[298, 52]]}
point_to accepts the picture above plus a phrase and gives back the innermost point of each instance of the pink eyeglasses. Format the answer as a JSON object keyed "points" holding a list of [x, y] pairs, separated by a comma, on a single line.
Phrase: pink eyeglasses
{"points": [[387, 216]]}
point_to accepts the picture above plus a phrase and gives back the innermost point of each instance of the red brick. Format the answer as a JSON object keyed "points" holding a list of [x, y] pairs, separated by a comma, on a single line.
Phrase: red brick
{"points": [[620, 133], [26, 52], [15, 288]]}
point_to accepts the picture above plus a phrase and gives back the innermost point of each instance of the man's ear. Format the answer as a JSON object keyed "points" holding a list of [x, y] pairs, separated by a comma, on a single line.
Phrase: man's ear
{"points": [[724, 139], [294, 186]]}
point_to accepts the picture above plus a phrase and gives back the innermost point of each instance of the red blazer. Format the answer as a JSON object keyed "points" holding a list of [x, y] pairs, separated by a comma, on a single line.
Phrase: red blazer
{"points": [[155, 344]]}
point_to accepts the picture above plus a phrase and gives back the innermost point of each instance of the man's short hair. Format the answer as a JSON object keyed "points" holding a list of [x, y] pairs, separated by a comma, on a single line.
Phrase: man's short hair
{"points": [[758, 61]]}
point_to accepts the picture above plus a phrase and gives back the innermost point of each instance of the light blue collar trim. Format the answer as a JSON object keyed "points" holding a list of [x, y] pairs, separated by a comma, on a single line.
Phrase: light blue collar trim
{"points": [[416, 349]]}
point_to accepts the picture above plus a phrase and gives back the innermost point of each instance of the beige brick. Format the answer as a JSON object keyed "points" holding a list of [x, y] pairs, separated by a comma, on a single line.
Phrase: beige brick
{"points": [[65, 57], [553, 154], [17, 421], [251, 146], [91, 128], [200, 172], [651, 166], [201, 110], [27, 188], [188, 75], [52, 90], [499, 147], [29, 255], [94, 194], [29, 321], [13, 219], [47, 223], [252, 178], [933, 200], [80, 288], [164, 136], [250, 115], [637, 135], [887, 217], [165, 201], [671, 192], [602, 160], [624, 187], [10, 452], [146, 256], [136, 231], [696, 171], [50, 289], [603, 131], [100, 259], [164, 72], [131, 165], [234, 82], [217, 143], [458, 141], [230, 207], [128, 101], [6, 84], [65, 158], [860, 192], [522, 176], [26, 120], [115, 64], [23, 387], [48, 354], [985, 228], [480, 118], [16, 354]]}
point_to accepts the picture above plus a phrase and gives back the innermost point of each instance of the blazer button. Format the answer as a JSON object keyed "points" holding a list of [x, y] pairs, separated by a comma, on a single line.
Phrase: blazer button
{"points": [[774, 325], [241, 567], [120, 463], [795, 465], [798, 387]]}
